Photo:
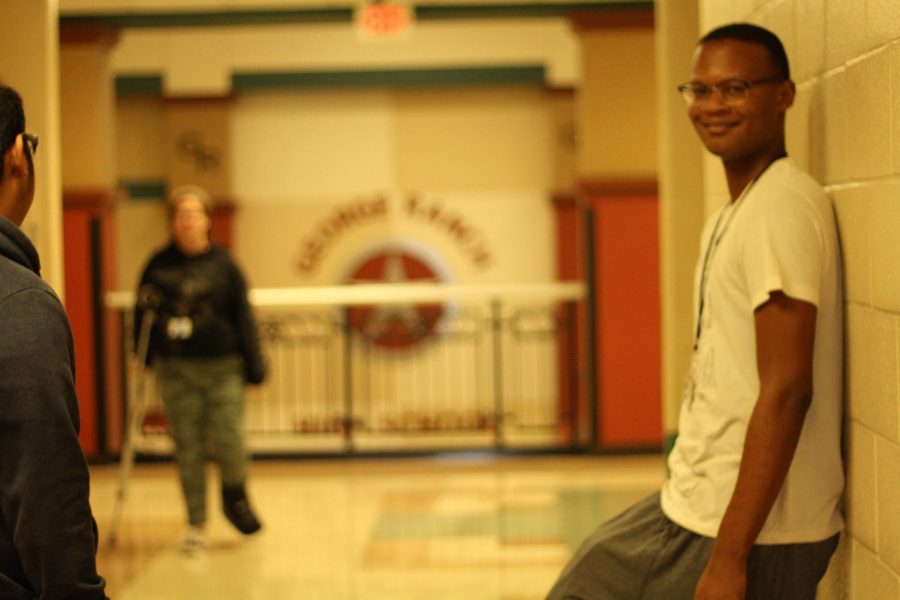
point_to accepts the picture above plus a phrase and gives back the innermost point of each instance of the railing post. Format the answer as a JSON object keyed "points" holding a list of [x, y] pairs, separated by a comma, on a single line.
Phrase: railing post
{"points": [[127, 341], [348, 382], [574, 386], [593, 414], [497, 325]]}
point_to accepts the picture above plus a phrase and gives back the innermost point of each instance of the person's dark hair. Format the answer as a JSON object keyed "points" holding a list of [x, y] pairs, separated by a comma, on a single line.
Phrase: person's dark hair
{"points": [[12, 117], [747, 32]]}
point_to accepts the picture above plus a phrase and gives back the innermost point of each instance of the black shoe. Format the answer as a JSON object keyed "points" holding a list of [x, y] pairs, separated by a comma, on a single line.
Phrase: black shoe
{"points": [[237, 510]]}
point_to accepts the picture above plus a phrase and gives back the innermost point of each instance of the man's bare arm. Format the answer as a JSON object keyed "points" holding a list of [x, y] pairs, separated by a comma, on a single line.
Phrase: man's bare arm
{"points": [[785, 334]]}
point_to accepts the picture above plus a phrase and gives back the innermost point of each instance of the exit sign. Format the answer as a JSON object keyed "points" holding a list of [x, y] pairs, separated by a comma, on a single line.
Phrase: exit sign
{"points": [[383, 20]]}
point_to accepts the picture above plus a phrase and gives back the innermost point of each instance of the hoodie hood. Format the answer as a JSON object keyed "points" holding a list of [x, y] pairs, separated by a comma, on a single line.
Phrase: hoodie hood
{"points": [[16, 246]]}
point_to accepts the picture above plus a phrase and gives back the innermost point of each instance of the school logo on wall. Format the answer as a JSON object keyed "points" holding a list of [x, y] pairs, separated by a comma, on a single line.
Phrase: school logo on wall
{"points": [[404, 325], [467, 237], [396, 260]]}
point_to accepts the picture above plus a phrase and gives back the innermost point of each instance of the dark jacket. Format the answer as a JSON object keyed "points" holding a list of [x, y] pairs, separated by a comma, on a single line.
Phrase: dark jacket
{"points": [[48, 538], [201, 309]]}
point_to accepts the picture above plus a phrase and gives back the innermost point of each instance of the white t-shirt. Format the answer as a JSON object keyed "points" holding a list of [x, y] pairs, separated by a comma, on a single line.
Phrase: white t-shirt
{"points": [[780, 236]]}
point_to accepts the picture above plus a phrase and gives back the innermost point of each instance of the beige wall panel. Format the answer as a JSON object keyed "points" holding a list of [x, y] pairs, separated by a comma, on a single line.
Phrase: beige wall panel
{"points": [[714, 13], [817, 129], [183, 55], [141, 51], [297, 154], [87, 130], [852, 206], [617, 105], [872, 369], [862, 499], [869, 119], [895, 107], [198, 63], [272, 253], [882, 21], [836, 127], [845, 31], [808, 59], [312, 146], [270, 239], [871, 577], [885, 244], [485, 155], [448, 43], [198, 144], [797, 127], [474, 139], [141, 138], [519, 230], [888, 460], [515, 230], [141, 228]]}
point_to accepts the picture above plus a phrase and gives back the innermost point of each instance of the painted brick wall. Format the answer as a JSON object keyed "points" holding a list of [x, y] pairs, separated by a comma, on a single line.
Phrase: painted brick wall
{"points": [[845, 129]]}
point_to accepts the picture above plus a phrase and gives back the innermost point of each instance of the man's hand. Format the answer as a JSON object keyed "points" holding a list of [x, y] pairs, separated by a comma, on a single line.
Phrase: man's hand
{"points": [[722, 580]]}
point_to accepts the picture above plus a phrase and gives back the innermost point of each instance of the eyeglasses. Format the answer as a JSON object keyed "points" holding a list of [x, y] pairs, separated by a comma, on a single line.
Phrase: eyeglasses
{"points": [[32, 141], [731, 91], [184, 216]]}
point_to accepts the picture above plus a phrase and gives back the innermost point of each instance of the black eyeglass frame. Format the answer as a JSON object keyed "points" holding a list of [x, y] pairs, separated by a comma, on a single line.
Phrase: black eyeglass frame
{"points": [[32, 141], [690, 97]]}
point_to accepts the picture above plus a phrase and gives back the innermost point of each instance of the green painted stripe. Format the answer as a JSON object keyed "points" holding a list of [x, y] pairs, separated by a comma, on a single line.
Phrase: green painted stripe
{"points": [[144, 189], [582, 510], [339, 15], [209, 18], [531, 75], [133, 85], [430, 12], [575, 515], [516, 525], [521, 75]]}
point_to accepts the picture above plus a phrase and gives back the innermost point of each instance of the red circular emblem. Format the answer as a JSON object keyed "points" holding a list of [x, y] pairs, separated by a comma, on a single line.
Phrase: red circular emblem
{"points": [[401, 325]]}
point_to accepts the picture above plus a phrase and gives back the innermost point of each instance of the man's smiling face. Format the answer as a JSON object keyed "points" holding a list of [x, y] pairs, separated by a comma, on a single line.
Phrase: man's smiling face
{"points": [[747, 129]]}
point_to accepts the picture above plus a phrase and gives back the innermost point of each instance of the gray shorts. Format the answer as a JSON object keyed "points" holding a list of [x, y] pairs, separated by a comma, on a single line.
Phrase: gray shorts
{"points": [[642, 555]]}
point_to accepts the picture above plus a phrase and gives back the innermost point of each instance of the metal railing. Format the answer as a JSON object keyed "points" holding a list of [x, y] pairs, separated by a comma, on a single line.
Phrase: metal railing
{"points": [[405, 367]]}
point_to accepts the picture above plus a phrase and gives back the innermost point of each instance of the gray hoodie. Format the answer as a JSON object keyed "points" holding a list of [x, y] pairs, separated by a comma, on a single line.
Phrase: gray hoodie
{"points": [[48, 537]]}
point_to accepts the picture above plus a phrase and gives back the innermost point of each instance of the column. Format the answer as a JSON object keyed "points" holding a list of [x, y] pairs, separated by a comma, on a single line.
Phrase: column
{"points": [[198, 153], [680, 197], [29, 62], [87, 120]]}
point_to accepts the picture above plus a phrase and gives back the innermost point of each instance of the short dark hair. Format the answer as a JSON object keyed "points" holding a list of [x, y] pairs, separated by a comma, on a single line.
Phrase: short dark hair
{"points": [[747, 32], [12, 117]]}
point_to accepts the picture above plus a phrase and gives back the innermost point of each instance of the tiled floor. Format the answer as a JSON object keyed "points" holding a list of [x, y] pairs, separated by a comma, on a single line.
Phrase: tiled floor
{"points": [[458, 527]]}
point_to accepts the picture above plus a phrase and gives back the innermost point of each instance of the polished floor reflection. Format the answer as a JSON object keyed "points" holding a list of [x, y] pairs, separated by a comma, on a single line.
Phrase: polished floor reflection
{"points": [[468, 527]]}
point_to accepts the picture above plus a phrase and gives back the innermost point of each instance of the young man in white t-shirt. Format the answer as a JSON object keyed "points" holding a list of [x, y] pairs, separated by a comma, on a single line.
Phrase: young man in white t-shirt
{"points": [[751, 506]]}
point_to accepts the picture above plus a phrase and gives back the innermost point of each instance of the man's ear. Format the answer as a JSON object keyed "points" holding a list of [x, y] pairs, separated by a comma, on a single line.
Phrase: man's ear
{"points": [[15, 163], [787, 91]]}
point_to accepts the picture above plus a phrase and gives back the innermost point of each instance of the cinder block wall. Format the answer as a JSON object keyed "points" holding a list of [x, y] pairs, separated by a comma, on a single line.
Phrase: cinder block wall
{"points": [[845, 129]]}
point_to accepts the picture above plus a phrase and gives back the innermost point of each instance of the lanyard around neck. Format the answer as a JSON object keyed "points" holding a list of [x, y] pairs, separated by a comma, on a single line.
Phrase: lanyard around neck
{"points": [[713, 245]]}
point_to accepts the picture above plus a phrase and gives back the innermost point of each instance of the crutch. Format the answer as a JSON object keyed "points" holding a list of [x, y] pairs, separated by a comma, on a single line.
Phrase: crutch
{"points": [[148, 300]]}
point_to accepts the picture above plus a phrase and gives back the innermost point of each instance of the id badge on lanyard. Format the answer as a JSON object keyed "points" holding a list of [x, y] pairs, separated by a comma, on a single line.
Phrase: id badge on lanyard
{"points": [[180, 328]]}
